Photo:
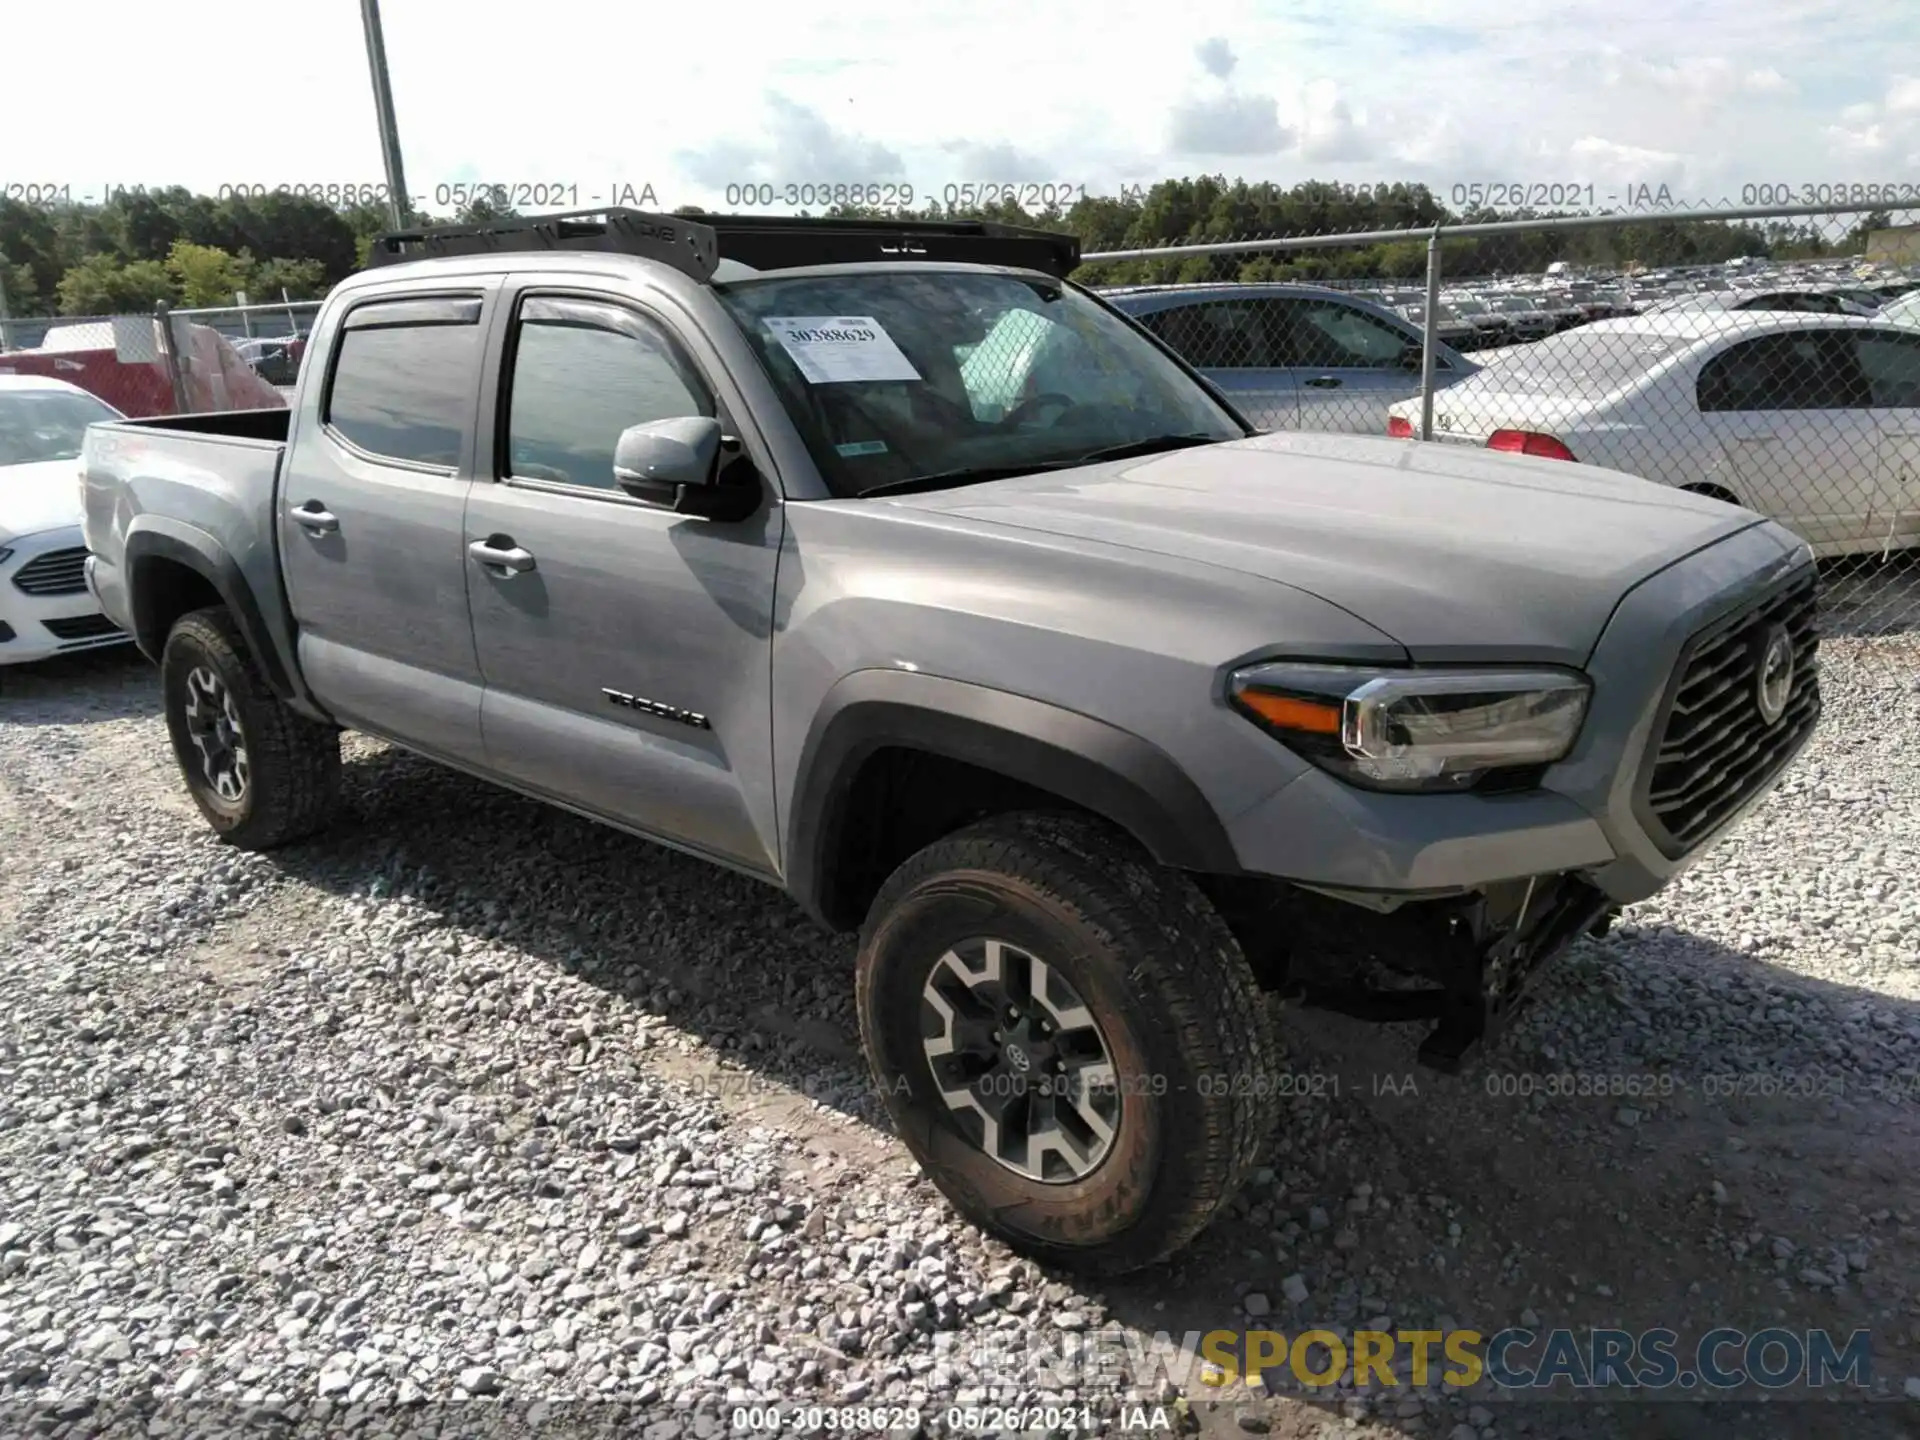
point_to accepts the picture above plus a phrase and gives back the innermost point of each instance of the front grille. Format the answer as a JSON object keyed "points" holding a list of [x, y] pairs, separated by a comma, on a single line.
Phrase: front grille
{"points": [[58, 572], [1713, 748], [81, 627]]}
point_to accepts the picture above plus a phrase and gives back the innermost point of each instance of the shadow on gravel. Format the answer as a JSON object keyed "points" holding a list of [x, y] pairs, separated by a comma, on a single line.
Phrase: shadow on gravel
{"points": [[1395, 1195], [118, 683]]}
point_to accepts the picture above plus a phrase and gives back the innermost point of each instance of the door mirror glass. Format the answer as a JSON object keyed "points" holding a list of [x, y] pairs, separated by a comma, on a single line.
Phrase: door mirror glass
{"points": [[663, 454]]}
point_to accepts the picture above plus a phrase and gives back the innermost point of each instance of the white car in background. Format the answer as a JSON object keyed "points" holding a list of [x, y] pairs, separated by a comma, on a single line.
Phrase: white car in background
{"points": [[45, 607], [1810, 420]]}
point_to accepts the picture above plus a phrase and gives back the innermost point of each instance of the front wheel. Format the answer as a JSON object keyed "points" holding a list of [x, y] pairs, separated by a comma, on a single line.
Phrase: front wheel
{"points": [[261, 774], [1067, 1038]]}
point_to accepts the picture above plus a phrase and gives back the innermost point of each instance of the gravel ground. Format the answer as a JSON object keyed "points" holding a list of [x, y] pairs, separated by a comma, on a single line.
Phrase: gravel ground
{"points": [[470, 1098]]}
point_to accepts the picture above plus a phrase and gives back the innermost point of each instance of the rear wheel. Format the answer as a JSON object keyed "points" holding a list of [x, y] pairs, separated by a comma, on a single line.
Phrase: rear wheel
{"points": [[261, 774], [1068, 1039]]}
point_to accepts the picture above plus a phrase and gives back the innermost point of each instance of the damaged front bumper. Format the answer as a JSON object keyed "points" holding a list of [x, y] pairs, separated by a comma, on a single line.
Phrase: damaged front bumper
{"points": [[1477, 953]]}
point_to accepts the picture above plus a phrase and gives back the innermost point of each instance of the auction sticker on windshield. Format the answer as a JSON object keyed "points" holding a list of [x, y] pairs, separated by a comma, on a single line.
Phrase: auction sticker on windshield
{"points": [[833, 349]]}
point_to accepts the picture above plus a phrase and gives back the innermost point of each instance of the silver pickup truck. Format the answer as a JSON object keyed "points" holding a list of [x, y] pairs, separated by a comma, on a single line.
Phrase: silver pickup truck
{"points": [[878, 561]]}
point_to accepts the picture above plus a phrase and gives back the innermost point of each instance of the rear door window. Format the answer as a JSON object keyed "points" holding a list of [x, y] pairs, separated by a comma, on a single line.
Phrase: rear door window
{"points": [[1891, 366], [1222, 334], [404, 380], [1807, 370]]}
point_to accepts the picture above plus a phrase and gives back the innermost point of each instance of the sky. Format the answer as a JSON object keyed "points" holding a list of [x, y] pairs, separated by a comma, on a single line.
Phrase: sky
{"points": [[600, 102]]}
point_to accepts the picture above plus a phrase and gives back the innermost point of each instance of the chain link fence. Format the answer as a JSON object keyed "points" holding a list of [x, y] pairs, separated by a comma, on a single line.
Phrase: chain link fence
{"points": [[1767, 359]]}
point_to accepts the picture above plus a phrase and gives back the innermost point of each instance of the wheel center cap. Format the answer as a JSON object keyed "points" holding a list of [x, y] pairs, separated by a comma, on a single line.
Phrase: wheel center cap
{"points": [[1023, 1051]]}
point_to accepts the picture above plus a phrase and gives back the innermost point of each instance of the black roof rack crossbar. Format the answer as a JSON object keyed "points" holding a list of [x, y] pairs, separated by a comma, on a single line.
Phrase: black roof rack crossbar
{"points": [[676, 240], [695, 244]]}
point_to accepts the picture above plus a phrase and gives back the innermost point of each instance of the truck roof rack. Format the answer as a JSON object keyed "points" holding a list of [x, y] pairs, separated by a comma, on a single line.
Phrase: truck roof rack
{"points": [[696, 244]]}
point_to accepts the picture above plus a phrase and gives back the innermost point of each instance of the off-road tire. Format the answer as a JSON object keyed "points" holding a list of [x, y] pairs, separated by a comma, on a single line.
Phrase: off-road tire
{"points": [[293, 785], [1185, 1022]]}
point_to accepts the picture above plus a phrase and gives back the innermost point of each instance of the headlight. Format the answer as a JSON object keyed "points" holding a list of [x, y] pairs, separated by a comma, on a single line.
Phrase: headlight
{"points": [[5, 554], [1416, 730]]}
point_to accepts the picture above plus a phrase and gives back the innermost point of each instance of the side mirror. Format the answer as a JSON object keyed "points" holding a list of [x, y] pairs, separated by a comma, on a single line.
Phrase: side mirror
{"points": [[675, 463], [665, 454], [1410, 357]]}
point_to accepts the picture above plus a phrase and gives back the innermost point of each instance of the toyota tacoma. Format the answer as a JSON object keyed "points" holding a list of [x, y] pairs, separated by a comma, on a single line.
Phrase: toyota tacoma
{"points": [[881, 562]]}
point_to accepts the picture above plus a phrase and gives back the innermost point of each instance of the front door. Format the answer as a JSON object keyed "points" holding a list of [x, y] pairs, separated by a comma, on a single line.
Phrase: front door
{"points": [[371, 506], [1348, 366], [625, 648]]}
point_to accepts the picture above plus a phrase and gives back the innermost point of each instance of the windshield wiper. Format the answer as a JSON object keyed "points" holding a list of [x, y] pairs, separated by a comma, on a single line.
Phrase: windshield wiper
{"points": [[1153, 445], [966, 475], [978, 474]]}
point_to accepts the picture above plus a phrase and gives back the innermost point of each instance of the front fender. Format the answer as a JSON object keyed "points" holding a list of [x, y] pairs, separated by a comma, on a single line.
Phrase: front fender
{"points": [[1087, 762]]}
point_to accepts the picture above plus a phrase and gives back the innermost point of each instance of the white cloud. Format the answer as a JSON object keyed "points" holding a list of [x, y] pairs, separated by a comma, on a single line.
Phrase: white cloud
{"points": [[1885, 135], [1228, 124], [1697, 83], [1216, 57], [1328, 128], [798, 141], [1560, 91], [1633, 164]]}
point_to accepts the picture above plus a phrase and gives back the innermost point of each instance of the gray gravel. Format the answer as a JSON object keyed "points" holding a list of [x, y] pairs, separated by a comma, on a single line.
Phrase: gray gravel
{"points": [[472, 1099]]}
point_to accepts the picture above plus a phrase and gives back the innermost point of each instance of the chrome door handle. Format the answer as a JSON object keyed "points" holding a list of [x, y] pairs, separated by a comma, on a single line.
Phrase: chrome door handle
{"points": [[505, 558], [314, 518]]}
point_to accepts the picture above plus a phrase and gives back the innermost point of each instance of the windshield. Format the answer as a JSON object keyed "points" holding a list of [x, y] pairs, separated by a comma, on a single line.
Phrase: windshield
{"points": [[1516, 307], [1582, 363], [46, 424], [1468, 307], [893, 376]]}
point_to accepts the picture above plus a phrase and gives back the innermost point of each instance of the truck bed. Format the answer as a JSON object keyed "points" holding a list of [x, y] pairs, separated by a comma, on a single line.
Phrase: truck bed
{"points": [[271, 425], [193, 490]]}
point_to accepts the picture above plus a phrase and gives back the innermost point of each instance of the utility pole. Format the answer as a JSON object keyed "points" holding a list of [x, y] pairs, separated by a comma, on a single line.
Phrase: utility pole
{"points": [[383, 108]]}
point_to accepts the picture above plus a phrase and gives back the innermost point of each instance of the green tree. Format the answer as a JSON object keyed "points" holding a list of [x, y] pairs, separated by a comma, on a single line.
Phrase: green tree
{"points": [[300, 279], [206, 274], [103, 285]]}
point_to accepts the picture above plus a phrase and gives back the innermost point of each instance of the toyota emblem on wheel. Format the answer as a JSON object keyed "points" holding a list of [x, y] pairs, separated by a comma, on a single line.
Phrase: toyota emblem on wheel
{"points": [[1773, 674]]}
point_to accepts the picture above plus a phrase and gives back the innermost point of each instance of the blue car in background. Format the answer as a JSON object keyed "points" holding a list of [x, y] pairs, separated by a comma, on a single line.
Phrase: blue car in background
{"points": [[1293, 357]]}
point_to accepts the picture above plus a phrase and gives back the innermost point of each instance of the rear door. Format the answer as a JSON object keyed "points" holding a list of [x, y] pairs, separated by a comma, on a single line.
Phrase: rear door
{"points": [[1891, 365], [370, 519], [1235, 343], [1790, 414], [1348, 366], [626, 651]]}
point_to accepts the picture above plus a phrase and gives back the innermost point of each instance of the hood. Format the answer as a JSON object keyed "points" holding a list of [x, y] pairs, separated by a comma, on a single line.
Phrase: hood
{"points": [[44, 495], [1457, 554]]}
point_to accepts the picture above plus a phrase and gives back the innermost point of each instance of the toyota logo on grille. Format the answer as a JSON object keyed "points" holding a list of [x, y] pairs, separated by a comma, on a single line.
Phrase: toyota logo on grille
{"points": [[1773, 674]]}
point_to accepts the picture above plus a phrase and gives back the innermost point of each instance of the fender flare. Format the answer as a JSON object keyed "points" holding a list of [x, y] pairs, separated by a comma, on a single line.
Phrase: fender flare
{"points": [[1085, 761], [160, 539]]}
